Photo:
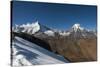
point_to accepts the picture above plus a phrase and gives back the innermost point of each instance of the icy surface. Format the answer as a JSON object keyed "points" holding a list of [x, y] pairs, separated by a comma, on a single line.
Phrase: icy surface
{"points": [[27, 53], [76, 27], [28, 28], [64, 33], [32, 28], [49, 33]]}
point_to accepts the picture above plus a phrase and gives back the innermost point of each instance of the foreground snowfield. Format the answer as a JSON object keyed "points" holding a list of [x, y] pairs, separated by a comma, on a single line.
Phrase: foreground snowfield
{"points": [[27, 53]]}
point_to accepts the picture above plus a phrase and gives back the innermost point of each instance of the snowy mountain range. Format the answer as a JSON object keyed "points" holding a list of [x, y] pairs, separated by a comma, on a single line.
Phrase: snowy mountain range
{"points": [[76, 31], [33, 28]]}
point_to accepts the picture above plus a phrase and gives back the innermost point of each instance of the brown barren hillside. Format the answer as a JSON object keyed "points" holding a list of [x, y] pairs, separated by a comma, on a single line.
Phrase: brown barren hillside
{"points": [[79, 50]]}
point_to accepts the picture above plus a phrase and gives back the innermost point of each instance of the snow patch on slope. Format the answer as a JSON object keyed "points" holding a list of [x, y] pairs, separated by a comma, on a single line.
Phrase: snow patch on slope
{"points": [[64, 33], [49, 33]]}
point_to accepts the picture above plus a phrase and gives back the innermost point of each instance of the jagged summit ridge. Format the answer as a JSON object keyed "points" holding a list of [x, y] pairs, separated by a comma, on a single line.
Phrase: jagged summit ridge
{"points": [[27, 28], [32, 28], [79, 32], [77, 27]]}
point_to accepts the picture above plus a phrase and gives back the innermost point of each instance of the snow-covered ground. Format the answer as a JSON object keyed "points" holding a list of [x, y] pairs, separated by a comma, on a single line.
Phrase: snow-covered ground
{"points": [[27, 53]]}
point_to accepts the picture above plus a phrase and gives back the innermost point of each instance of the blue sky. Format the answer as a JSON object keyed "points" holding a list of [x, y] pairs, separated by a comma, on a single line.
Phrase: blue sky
{"points": [[58, 16]]}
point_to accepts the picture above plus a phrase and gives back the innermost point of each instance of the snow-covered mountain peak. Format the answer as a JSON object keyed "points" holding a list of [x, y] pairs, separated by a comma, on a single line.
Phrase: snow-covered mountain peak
{"points": [[49, 33], [30, 28], [77, 27], [79, 32], [34, 24]]}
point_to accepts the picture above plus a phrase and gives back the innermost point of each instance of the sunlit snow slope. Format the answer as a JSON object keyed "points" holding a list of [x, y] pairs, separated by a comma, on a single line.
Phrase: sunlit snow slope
{"points": [[27, 53]]}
